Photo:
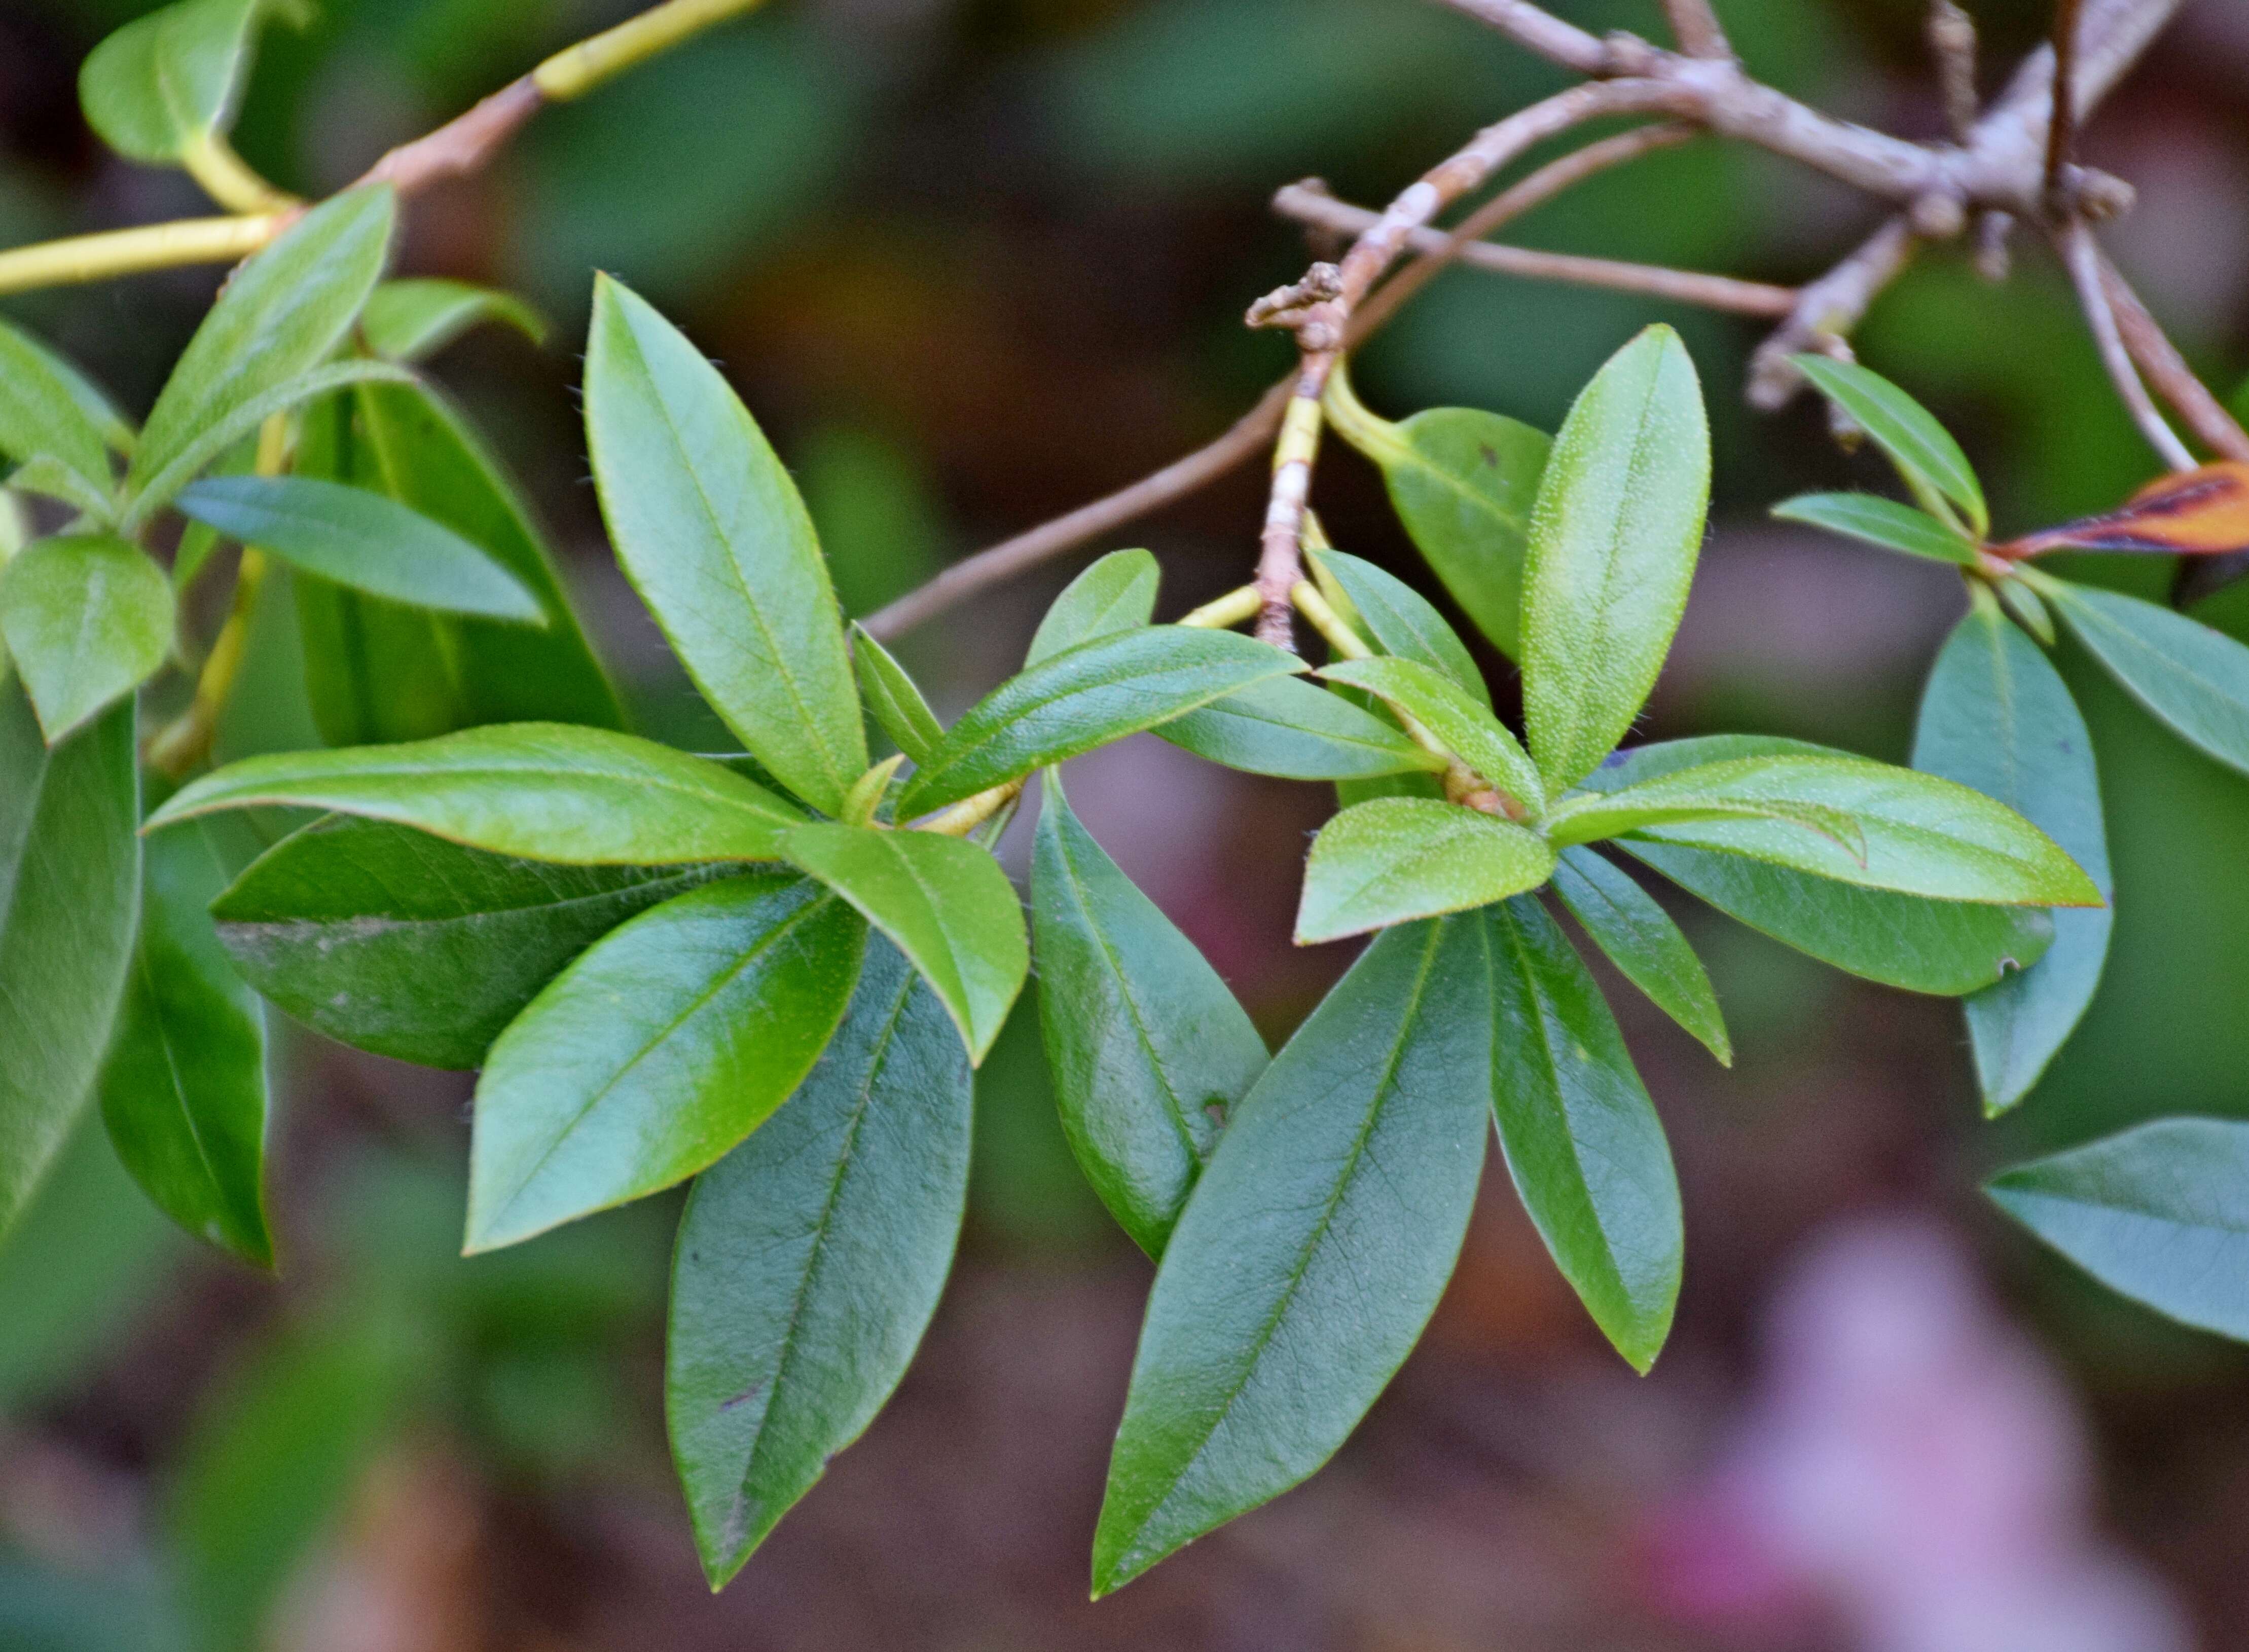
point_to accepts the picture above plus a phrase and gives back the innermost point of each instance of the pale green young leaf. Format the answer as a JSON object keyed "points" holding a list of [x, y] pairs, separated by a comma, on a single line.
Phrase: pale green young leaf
{"points": [[1116, 593], [173, 78], [946, 904], [1150, 1051], [1298, 730], [87, 621], [1997, 717], [1313, 1249], [892, 697], [810, 1259], [1400, 621], [1926, 456], [1637, 935], [1614, 542], [1463, 724], [1086, 698], [44, 413], [2194, 680], [542, 791], [1582, 1141], [1398, 859], [408, 320], [654, 1054], [2160, 1213], [867, 792], [47, 477], [714, 536], [1463, 481], [1878, 521], [2029, 610]]}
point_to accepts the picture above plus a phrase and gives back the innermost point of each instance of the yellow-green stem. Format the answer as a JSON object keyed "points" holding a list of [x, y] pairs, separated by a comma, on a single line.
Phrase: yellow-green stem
{"points": [[1225, 613], [228, 179], [118, 252], [578, 70]]}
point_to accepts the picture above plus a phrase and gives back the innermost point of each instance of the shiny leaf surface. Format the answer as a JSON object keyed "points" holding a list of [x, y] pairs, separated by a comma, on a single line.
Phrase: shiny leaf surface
{"points": [[1923, 451], [1397, 859], [1637, 935], [1297, 731], [1465, 726], [1401, 620], [1878, 521], [87, 621], [1116, 593]]}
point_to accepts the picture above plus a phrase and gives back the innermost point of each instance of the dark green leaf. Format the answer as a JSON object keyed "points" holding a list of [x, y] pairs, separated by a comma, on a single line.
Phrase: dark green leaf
{"points": [[2160, 1213], [1463, 481], [42, 412], [1637, 936], [1088, 696], [1149, 1049], [184, 1090], [810, 1259], [893, 699], [1401, 620], [397, 942], [666, 1043], [1582, 1140], [1612, 548], [407, 320], [1313, 1250], [1117, 593], [1398, 859], [87, 621], [946, 904], [710, 531], [170, 80], [1463, 724], [2195, 680], [1299, 731], [545, 791], [69, 898], [1923, 451], [1879, 521], [1997, 717]]}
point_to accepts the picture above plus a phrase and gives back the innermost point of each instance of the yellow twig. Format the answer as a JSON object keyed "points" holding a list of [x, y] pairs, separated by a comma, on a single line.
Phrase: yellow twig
{"points": [[227, 179], [577, 70], [117, 252]]}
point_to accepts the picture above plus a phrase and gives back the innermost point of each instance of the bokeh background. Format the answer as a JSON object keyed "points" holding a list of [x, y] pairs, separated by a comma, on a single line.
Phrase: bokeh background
{"points": [[974, 261]]}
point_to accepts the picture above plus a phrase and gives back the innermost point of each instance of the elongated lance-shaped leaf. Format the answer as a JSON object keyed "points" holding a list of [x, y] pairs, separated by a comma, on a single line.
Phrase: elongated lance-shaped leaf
{"points": [[184, 1090], [407, 320], [1637, 935], [1313, 1250], [543, 791], [407, 946], [1465, 726], [2194, 680], [810, 1259], [1117, 593], [1926, 456], [2160, 1213], [1582, 1140], [87, 621], [945, 903], [1149, 1049], [652, 1056], [716, 539], [1086, 698], [44, 412], [379, 672], [70, 900], [284, 314], [1614, 542], [892, 697], [170, 80], [1397, 859], [1298, 730], [1400, 621], [1997, 717], [1884, 522]]}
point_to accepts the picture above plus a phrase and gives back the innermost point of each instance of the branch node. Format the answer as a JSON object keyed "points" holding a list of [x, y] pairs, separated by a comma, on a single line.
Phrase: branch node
{"points": [[1291, 307], [1626, 56], [1938, 215], [1993, 261]]}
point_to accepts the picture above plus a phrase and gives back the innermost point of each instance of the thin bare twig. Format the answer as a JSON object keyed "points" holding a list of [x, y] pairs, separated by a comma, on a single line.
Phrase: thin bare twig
{"points": [[2081, 254], [2061, 123], [1952, 42], [462, 144], [1696, 28], [2166, 371], [1827, 310]]}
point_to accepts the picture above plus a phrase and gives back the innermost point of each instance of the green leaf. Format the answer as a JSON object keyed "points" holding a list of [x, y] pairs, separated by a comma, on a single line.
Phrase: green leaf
{"points": [[1398, 859], [1997, 717], [408, 321], [184, 1090], [279, 318], [1582, 1140], [197, 543], [661, 1048], [378, 671], [2193, 679], [397, 942], [1295, 729], [1086, 698], [1879, 521], [1463, 481], [1946, 948], [48, 477], [1313, 1249], [1401, 620], [2160, 1212], [946, 904], [810, 1261], [892, 697], [70, 900], [165, 82], [1613, 547], [87, 621], [1464, 724], [1116, 593], [1637, 935], [44, 413], [1150, 1051], [544, 791], [2029, 609], [364, 540], [713, 536], [1923, 451]]}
